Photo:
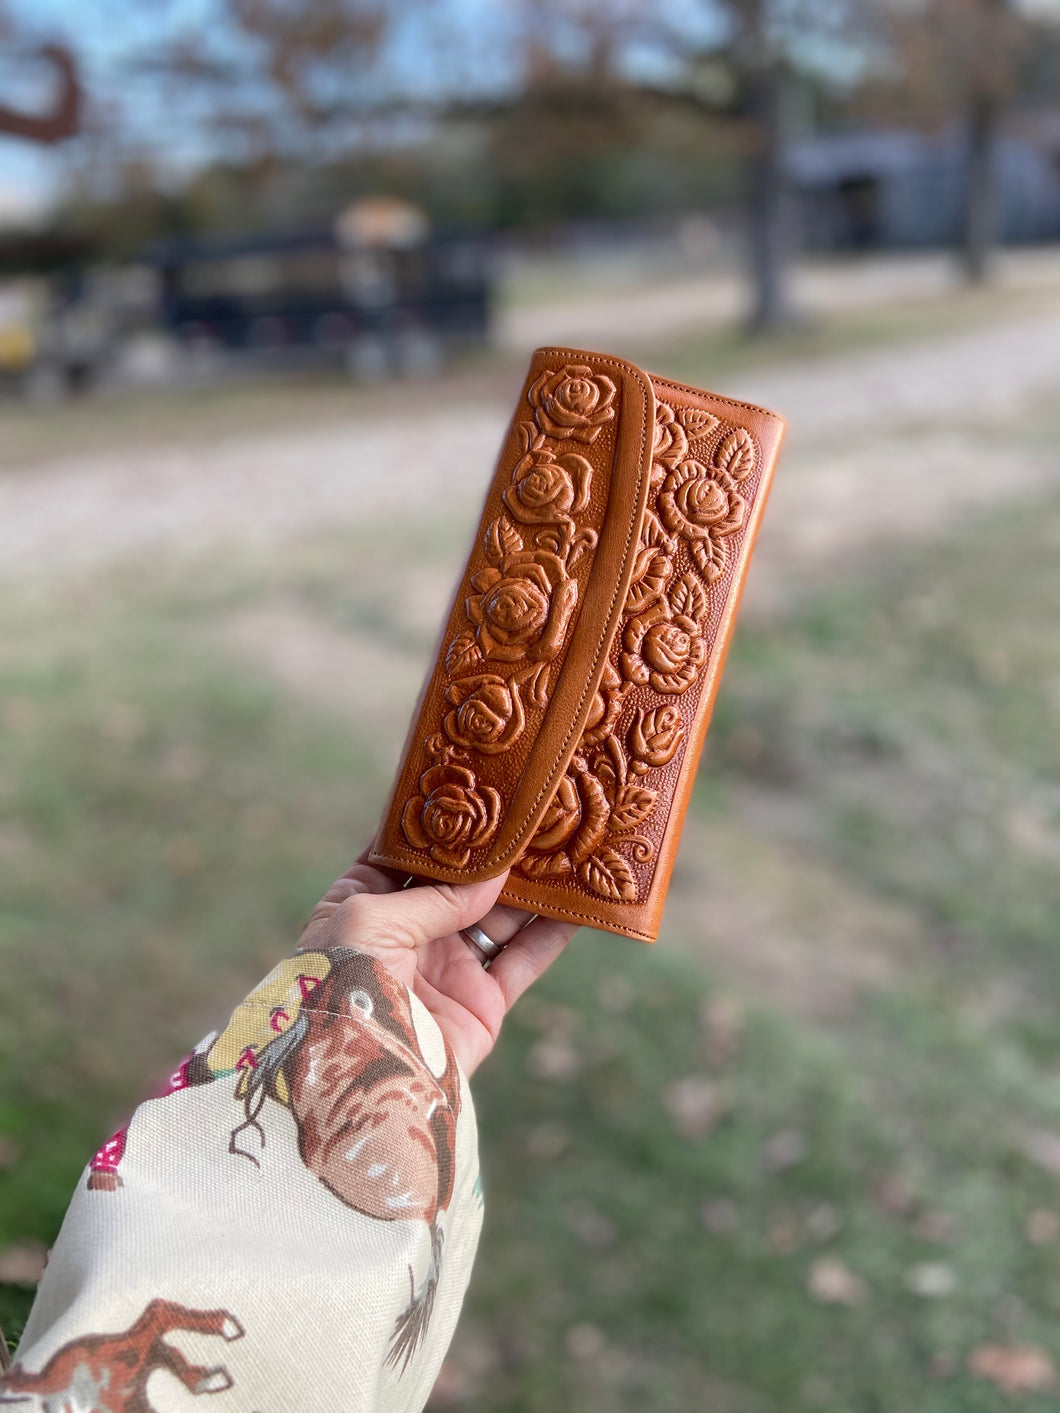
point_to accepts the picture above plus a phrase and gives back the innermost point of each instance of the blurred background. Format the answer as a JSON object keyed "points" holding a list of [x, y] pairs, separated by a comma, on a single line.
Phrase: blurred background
{"points": [[270, 271]]}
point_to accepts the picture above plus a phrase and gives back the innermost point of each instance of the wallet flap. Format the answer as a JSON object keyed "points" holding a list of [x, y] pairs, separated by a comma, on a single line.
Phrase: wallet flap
{"points": [[533, 621], [606, 852]]}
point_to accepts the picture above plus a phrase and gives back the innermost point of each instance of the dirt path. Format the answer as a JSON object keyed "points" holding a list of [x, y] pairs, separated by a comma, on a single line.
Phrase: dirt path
{"points": [[881, 442], [592, 319]]}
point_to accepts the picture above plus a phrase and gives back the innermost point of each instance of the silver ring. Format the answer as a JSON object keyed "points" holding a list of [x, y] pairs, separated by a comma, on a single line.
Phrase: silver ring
{"points": [[484, 945]]}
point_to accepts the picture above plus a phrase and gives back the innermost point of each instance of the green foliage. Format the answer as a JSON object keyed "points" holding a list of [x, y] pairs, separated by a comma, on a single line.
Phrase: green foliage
{"points": [[671, 1147]]}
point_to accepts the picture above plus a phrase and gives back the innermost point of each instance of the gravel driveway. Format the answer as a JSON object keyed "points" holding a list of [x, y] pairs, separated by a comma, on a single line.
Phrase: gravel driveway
{"points": [[887, 440]]}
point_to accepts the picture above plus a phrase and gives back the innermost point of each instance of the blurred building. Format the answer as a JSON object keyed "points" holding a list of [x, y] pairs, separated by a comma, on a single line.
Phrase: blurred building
{"points": [[861, 190]]}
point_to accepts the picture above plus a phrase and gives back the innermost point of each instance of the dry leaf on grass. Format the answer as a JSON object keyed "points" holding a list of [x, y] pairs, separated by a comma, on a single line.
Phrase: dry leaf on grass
{"points": [[784, 1149], [553, 1060], [931, 1279], [695, 1105], [1042, 1147], [1042, 1226], [1014, 1368], [832, 1282]]}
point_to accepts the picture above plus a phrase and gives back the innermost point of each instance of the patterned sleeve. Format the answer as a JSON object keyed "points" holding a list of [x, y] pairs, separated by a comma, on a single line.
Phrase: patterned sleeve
{"points": [[289, 1228]]}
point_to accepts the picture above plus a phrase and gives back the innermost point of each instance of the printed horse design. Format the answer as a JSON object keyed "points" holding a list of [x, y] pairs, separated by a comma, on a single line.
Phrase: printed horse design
{"points": [[375, 1125], [108, 1373]]}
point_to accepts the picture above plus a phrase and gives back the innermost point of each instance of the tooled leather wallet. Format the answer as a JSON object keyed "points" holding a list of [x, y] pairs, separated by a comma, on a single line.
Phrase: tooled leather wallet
{"points": [[559, 731]]}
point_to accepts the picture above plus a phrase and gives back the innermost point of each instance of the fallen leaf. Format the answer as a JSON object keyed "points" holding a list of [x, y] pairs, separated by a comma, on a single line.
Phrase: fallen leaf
{"points": [[695, 1105], [1014, 1368], [1042, 1226], [615, 993], [591, 1227], [832, 1282], [784, 1150], [1043, 1148], [585, 1342], [547, 1141], [823, 1222], [931, 1279], [720, 1215], [784, 1235], [936, 1226], [722, 1018], [22, 1263], [553, 1059], [894, 1196]]}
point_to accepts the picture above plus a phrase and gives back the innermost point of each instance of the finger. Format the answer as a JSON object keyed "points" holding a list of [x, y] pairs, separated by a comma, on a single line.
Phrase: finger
{"points": [[533, 951], [502, 922], [360, 877], [363, 859], [411, 917]]}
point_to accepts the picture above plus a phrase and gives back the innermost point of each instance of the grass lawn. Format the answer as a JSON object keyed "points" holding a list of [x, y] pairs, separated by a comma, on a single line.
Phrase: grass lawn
{"points": [[699, 1196]]}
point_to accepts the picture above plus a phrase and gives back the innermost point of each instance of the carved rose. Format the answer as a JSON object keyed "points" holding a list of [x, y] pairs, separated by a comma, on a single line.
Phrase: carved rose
{"points": [[702, 506], [571, 838], [651, 575], [488, 713], [452, 815], [573, 403], [670, 445], [561, 819], [546, 488], [665, 655], [574, 825], [606, 707], [655, 737], [521, 611]]}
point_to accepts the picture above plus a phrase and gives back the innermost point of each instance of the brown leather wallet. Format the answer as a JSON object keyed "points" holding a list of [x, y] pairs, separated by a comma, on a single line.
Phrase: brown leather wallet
{"points": [[559, 731]]}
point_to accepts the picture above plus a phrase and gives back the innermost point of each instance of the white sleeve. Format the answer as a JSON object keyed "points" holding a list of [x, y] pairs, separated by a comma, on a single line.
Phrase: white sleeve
{"points": [[289, 1228]]}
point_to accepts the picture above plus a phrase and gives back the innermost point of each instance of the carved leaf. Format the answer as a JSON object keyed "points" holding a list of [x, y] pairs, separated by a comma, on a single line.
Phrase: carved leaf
{"points": [[736, 455], [608, 874], [596, 811], [688, 597], [605, 773], [545, 865], [653, 532], [501, 538], [709, 557], [633, 805], [696, 422], [463, 652]]}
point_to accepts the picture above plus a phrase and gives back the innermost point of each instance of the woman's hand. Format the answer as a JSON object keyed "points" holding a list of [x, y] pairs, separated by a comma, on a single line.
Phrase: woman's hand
{"points": [[415, 933]]}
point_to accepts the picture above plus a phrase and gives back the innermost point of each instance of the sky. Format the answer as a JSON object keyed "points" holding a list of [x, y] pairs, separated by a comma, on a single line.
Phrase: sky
{"points": [[106, 32], [103, 33]]}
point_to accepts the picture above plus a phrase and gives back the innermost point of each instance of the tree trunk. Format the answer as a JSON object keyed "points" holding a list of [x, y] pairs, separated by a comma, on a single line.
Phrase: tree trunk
{"points": [[980, 197], [768, 237]]}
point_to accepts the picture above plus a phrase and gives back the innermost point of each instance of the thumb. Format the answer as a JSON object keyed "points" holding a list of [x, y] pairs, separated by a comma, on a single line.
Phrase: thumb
{"points": [[412, 916]]}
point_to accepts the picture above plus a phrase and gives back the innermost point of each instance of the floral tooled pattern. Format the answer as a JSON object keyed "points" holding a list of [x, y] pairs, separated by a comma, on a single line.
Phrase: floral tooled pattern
{"points": [[573, 403], [547, 488], [655, 737], [702, 504], [664, 647], [589, 832], [522, 608], [519, 607], [488, 713], [451, 815], [595, 810]]}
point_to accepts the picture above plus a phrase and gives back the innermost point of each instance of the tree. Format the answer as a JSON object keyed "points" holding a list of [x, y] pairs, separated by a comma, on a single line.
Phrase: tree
{"points": [[960, 62], [731, 62], [63, 119]]}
